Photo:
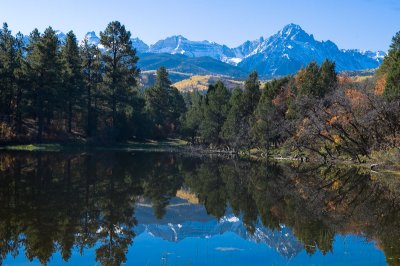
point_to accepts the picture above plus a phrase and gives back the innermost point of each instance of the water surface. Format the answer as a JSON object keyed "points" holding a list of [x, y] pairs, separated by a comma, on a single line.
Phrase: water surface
{"points": [[114, 208]]}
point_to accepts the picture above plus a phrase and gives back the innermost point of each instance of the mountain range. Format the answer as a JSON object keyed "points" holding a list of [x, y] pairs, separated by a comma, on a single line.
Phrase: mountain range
{"points": [[281, 54], [186, 220]]}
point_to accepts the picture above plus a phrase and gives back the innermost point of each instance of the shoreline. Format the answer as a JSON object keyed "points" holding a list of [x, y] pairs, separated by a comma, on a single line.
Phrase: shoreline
{"points": [[181, 146]]}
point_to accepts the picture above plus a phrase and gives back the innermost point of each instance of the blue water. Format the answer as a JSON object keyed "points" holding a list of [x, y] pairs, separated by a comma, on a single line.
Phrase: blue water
{"points": [[225, 249], [165, 209]]}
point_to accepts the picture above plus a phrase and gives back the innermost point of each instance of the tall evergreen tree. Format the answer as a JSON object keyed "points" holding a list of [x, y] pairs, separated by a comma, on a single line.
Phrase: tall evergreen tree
{"points": [[120, 70], [267, 127], [308, 80], [157, 103], [251, 94], [236, 129], [44, 66], [193, 117], [22, 84], [162, 79], [391, 68], [30, 75], [177, 108], [92, 71], [327, 77], [233, 130], [215, 112], [72, 76], [7, 67], [164, 104]]}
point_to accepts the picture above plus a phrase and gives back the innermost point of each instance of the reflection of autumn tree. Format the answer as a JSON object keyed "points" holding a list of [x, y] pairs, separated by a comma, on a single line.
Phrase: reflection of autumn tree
{"points": [[315, 236], [315, 203]]}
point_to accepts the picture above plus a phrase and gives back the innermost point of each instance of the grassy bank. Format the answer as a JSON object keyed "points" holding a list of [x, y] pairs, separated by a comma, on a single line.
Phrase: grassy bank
{"points": [[166, 145], [383, 162]]}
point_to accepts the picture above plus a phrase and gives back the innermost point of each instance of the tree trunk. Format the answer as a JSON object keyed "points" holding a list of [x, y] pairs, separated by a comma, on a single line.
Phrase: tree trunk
{"points": [[70, 117], [89, 112], [18, 112], [40, 127], [40, 119]]}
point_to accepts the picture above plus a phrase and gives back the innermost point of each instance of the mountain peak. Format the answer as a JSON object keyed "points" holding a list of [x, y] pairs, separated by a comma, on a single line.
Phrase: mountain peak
{"points": [[292, 26], [60, 35], [91, 34], [92, 38], [177, 37], [291, 29], [283, 53], [139, 45], [295, 32]]}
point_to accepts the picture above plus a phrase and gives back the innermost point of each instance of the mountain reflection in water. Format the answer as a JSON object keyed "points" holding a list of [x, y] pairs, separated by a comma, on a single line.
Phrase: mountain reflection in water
{"points": [[112, 208]]}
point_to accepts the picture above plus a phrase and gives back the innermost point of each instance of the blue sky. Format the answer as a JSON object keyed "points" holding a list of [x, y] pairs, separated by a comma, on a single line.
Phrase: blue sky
{"points": [[362, 24]]}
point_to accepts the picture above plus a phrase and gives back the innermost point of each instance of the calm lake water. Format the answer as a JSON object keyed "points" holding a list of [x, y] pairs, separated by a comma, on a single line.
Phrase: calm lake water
{"points": [[131, 208]]}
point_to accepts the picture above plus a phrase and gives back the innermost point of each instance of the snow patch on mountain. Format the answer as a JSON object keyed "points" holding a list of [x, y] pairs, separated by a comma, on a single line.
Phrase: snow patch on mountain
{"points": [[282, 240], [180, 45], [92, 38], [280, 54], [61, 36]]}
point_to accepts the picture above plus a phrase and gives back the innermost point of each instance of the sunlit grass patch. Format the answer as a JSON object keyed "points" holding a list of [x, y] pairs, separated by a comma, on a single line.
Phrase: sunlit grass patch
{"points": [[35, 147]]}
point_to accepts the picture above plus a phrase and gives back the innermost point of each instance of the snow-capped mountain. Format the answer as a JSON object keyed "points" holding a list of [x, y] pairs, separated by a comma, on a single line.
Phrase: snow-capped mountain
{"points": [[181, 45], [92, 38], [291, 48], [247, 48], [186, 220], [61, 36], [280, 54], [140, 46]]}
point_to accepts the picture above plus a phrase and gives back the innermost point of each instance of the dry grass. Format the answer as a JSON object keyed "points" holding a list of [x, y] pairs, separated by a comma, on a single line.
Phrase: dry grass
{"points": [[187, 195], [201, 83]]}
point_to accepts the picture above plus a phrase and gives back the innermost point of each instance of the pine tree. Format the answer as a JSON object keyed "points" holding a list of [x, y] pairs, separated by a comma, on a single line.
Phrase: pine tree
{"points": [[308, 80], [72, 77], [120, 71], [251, 94], [157, 103], [162, 79], [7, 67], [215, 112], [177, 108], [92, 71], [241, 114], [44, 71], [164, 104], [22, 84], [193, 117], [233, 130], [266, 127], [327, 77], [391, 68]]}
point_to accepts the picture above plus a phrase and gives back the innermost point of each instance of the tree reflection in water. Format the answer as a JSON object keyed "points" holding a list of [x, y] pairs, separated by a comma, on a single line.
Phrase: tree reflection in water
{"points": [[54, 202]]}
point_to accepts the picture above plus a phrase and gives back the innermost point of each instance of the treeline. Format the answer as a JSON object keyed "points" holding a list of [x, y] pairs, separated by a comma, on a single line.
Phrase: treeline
{"points": [[316, 111], [55, 91]]}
